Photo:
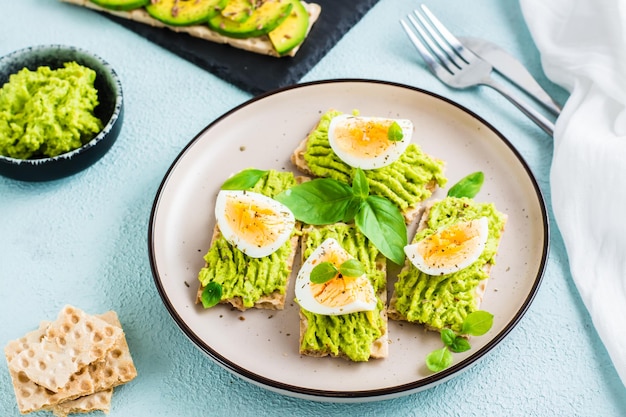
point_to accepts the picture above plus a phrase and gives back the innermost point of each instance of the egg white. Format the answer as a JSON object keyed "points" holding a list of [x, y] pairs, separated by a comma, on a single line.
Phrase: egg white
{"points": [[281, 221], [448, 266], [352, 156], [304, 294]]}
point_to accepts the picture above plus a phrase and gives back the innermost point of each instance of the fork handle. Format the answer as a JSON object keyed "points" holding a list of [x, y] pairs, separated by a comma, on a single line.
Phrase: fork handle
{"points": [[525, 108]]}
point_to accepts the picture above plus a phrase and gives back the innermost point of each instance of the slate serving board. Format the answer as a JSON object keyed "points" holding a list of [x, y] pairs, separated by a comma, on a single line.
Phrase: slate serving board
{"points": [[252, 72]]}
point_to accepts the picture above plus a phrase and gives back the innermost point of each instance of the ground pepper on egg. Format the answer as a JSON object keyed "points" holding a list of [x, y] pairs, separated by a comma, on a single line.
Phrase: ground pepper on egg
{"points": [[48, 112]]}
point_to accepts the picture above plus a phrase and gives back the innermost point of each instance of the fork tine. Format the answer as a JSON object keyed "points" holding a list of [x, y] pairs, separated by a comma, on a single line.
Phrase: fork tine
{"points": [[424, 31], [430, 60], [450, 39]]}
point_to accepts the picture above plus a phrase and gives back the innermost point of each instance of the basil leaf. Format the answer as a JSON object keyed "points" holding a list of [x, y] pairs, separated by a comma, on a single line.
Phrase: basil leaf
{"points": [[244, 180], [317, 202], [477, 323], [352, 268], [382, 223], [447, 336], [459, 344], [439, 359], [351, 209], [211, 294], [323, 272], [360, 186], [395, 132], [468, 186]]}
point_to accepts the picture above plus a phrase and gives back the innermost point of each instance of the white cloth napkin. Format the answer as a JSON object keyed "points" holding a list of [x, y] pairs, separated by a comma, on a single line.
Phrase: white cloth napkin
{"points": [[583, 48]]}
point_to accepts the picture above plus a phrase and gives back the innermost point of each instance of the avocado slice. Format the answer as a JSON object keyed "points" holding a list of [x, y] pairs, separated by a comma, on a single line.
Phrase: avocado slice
{"points": [[263, 19], [121, 4], [292, 31], [238, 10], [184, 12]]}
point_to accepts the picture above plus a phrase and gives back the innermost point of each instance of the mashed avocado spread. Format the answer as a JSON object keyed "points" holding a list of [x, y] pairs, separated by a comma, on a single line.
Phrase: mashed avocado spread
{"points": [[444, 301], [243, 276], [48, 112], [351, 334], [403, 182]]}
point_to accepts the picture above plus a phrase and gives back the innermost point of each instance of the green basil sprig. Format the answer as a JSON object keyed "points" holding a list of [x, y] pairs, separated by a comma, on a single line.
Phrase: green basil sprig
{"points": [[325, 271], [211, 294], [395, 133], [326, 201], [475, 324], [468, 186], [244, 180]]}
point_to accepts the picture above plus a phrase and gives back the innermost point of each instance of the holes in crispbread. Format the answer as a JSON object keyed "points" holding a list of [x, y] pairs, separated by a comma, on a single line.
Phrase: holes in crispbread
{"points": [[86, 364]]}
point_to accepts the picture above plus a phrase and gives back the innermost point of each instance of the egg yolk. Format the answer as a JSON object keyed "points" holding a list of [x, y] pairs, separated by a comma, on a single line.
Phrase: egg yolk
{"points": [[364, 138], [254, 224], [341, 290], [451, 245]]}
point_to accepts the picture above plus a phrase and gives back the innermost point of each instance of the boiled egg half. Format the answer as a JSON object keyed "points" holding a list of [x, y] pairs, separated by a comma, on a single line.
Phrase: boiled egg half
{"points": [[254, 223], [450, 249], [340, 295], [369, 142]]}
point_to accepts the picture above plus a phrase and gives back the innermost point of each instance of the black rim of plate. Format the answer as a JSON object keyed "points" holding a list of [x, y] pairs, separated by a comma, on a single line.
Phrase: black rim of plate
{"points": [[362, 395]]}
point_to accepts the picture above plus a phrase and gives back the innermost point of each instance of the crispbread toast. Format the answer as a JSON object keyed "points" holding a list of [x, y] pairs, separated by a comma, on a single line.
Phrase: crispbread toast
{"points": [[477, 292], [259, 45], [409, 206], [379, 347], [114, 369], [271, 300]]}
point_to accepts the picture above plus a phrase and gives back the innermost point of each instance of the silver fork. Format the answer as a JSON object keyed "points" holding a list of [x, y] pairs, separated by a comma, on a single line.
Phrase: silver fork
{"points": [[456, 65]]}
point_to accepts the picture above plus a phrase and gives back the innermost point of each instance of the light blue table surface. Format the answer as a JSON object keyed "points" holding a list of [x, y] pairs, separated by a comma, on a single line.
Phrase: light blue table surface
{"points": [[83, 240]]}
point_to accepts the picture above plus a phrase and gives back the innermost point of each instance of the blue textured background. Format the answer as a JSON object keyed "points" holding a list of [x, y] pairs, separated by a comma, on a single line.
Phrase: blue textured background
{"points": [[82, 240]]}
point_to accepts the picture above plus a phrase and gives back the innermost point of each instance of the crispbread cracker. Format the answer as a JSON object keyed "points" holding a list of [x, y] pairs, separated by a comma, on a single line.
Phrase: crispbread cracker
{"points": [[71, 342], [380, 347], [273, 301], [276, 299], [410, 213], [479, 290], [98, 401], [114, 369], [259, 45]]}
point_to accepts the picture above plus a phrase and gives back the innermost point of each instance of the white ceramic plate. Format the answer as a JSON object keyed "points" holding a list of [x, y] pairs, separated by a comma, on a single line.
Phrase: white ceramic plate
{"points": [[262, 346]]}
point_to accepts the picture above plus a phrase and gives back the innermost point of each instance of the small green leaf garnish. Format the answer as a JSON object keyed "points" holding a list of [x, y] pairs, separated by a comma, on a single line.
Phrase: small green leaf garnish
{"points": [[395, 132], [447, 336], [244, 180], [323, 272], [439, 359], [326, 201], [468, 186], [459, 344], [352, 268], [477, 323], [211, 294]]}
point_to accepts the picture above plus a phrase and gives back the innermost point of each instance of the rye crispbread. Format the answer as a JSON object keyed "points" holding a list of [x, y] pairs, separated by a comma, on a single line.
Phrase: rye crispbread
{"points": [[72, 341], [380, 347], [409, 213], [273, 301], [479, 290], [259, 45], [98, 401], [115, 368], [276, 299]]}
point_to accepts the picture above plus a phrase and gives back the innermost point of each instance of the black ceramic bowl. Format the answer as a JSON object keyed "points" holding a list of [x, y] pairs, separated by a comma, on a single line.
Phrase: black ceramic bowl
{"points": [[109, 111]]}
